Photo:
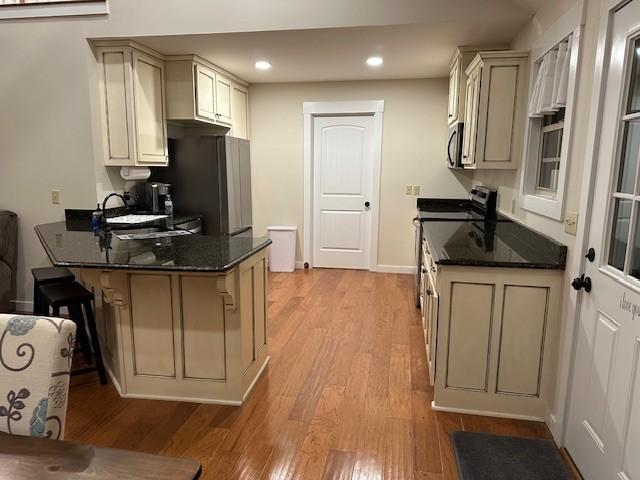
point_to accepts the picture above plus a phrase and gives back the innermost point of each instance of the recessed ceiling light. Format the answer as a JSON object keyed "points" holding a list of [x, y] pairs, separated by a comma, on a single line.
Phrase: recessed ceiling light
{"points": [[263, 65], [375, 61]]}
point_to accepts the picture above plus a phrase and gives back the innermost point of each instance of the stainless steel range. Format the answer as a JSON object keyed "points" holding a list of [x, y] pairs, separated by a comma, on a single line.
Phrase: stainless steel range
{"points": [[480, 206]]}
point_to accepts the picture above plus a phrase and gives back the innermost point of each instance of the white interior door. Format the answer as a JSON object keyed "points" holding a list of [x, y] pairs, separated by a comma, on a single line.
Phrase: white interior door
{"points": [[342, 186], [604, 420]]}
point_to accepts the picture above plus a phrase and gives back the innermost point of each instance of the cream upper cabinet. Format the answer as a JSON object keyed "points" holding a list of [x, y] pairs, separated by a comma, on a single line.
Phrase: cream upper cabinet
{"points": [[495, 110], [150, 120], [454, 81], [223, 99], [132, 99], [205, 93], [457, 83], [472, 89], [239, 111], [198, 91]]}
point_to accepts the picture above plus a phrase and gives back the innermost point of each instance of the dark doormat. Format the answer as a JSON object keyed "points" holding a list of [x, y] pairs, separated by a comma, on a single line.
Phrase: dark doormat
{"points": [[482, 456]]}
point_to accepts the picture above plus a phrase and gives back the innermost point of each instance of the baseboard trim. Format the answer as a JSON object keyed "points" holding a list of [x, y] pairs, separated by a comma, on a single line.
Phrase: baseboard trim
{"points": [[23, 305], [405, 269], [555, 427], [484, 413], [257, 377], [299, 265]]}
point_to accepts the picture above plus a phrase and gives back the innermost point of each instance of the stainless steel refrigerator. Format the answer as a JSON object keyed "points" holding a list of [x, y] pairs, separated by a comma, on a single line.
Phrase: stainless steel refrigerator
{"points": [[210, 175]]}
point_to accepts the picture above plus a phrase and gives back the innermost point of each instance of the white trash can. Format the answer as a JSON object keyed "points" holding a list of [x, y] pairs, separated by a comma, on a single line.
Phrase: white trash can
{"points": [[282, 252]]}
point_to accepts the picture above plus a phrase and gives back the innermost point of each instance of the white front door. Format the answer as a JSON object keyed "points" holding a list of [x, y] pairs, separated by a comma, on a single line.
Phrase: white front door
{"points": [[604, 420], [342, 185]]}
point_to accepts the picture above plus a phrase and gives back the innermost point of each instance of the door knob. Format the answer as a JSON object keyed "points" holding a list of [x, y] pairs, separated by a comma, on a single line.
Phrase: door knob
{"points": [[581, 282], [367, 204]]}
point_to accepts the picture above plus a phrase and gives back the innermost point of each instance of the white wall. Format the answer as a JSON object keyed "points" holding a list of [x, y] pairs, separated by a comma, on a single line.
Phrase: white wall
{"points": [[44, 132], [413, 152]]}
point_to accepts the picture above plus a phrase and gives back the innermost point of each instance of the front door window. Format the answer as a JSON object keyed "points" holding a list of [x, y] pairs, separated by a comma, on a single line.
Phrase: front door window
{"points": [[624, 230]]}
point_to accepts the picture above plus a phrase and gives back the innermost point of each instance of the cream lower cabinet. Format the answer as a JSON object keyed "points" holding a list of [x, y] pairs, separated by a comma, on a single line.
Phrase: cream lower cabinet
{"points": [[132, 101], [494, 115], [430, 305], [492, 339], [183, 336]]}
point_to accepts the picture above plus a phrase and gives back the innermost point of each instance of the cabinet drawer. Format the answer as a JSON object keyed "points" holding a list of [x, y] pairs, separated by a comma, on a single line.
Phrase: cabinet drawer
{"points": [[429, 265]]}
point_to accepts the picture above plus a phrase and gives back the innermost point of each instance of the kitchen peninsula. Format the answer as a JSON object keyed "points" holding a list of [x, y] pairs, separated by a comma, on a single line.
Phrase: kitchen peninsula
{"points": [[179, 317]]}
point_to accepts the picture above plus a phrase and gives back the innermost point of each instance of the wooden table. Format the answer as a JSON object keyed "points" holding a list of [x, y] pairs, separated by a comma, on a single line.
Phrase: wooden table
{"points": [[23, 458]]}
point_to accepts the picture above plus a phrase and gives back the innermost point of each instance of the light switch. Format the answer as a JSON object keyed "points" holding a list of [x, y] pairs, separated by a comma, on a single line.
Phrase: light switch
{"points": [[55, 197], [571, 223], [416, 189], [408, 190]]}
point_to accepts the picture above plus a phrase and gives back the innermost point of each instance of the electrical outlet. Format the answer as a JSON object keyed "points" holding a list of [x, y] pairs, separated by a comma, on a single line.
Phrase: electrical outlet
{"points": [[408, 190], [55, 197], [571, 223], [416, 189]]}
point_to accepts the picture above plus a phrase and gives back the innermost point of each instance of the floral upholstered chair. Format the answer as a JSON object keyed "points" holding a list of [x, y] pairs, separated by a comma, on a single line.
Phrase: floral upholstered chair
{"points": [[35, 361]]}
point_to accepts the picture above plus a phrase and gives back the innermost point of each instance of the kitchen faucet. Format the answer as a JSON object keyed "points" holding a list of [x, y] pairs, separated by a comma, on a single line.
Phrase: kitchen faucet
{"points": [[104, 203]]}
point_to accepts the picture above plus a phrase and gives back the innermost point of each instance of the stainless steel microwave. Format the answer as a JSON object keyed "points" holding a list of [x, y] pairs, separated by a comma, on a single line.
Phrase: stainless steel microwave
{"points": [[454, 145]]}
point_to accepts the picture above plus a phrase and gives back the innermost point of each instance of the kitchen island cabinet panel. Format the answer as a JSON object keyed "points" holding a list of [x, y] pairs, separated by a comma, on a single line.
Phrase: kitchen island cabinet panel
{"points": [[152, 325], [524, 319], [183, 336], [181, 318], [203, 322], [253, 301], [469, 336]]}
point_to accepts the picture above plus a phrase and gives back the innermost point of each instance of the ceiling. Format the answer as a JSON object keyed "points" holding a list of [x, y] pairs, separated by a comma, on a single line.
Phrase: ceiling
{"points": [[416, 50]]}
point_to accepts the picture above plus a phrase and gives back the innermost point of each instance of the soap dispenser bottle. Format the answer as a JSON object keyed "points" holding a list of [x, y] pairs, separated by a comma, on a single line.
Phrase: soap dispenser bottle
{"points": [[96, 220], [168, 206]]}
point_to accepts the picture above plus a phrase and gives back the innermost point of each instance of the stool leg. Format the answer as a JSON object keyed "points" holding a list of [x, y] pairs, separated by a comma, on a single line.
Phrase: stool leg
{"points": [[36, 298], [75, 312], [95, 342]]}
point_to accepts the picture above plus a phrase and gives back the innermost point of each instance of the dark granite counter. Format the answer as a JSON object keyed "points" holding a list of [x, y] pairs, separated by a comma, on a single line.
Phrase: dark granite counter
{"points": [[67, 246], [492, 244]]}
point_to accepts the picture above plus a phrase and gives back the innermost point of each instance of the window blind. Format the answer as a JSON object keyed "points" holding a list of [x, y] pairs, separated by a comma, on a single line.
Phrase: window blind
{"points": [[550, 88]]}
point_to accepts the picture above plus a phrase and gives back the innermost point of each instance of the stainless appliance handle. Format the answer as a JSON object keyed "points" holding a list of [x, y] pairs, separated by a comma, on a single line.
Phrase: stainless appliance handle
{"points": [[450, 160]]}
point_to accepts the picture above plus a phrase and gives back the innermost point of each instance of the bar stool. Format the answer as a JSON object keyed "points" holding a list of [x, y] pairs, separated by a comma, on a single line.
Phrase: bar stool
{"points": [[46, 276], [74, 296]]}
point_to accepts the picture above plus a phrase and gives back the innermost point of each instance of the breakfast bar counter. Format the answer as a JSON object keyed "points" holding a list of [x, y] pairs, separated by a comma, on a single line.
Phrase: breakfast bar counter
{"points": [[180, 317]]}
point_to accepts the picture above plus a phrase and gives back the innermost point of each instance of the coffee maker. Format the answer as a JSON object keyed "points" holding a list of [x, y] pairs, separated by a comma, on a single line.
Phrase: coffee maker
{"points": [[150, 196]]}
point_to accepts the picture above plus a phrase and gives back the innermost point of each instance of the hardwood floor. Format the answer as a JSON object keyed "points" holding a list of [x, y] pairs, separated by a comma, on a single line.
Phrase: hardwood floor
{"points": [[345, 396]]}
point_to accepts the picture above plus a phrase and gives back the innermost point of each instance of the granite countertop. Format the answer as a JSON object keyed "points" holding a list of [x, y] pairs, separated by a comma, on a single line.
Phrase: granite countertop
{"points": [[67, 246], [492, 244]]}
